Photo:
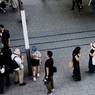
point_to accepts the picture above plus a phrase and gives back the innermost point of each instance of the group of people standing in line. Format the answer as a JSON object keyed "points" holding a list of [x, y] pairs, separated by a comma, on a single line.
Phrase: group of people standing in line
{"points": [[7, 56], [79, 4], [76, 56]]}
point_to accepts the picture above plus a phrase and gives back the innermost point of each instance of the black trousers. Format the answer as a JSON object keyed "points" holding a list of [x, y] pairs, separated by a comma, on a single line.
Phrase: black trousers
{"points": [[77, 2]]}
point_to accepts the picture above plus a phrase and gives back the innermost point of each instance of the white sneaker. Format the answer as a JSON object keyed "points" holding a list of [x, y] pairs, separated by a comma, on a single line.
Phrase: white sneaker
{"points": [[52, 90], [48, 93], [38, 75], [34, 78]]}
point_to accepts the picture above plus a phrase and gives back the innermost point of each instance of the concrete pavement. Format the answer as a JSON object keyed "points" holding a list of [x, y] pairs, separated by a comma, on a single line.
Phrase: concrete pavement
{"points": [[53, 26]]}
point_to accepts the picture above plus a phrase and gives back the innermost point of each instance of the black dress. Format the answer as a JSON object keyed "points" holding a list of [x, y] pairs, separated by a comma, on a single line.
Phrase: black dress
{"points": [[76, 71]]}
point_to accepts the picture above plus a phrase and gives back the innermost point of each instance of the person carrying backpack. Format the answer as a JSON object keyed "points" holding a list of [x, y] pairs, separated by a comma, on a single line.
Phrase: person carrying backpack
{"points": [[19, 70]]}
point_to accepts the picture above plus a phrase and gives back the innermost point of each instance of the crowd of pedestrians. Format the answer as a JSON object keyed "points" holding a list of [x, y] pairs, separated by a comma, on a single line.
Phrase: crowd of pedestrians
{"points": [[12, 62]]}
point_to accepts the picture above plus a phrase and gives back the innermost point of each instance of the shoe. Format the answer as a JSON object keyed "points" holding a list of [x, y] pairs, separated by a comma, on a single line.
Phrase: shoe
{"points": [[38, 75], [52, 90], [48, 93], [79, 12], [16, 82], [34, 78], [1, 92], [3, 9], [73, 76], [22, 84], [77, 79], [87, 71], [81, 7], [7, 85], [91, 74], [11, 6], [14, 8]]}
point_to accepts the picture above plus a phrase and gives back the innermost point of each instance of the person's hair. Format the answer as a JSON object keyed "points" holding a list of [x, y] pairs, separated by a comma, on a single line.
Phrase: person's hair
{"points": [[92, 51], [76, 50], [49, 53], [2, 26]]}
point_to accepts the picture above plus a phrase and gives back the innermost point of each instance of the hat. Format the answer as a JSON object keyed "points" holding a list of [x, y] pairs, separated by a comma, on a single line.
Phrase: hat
{"points": [[92, 46], [17, 51], [34, 48]]}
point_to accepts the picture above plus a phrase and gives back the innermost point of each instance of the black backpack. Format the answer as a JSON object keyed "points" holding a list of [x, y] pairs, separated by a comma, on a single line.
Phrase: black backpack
{"points": [[14, 63]]}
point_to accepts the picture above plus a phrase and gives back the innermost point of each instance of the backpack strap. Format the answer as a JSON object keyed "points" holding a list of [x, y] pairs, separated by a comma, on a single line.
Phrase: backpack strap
{"points": [[14, 57]]}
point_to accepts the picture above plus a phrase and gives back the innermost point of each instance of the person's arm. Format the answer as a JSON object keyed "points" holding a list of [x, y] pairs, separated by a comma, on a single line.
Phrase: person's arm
{"points": [[40, 60], [77, 57], [47, 72], [8, 41], [22, 59]]}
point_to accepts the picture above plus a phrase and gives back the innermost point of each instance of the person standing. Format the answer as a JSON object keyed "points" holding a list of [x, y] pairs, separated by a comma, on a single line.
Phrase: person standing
{"points": [[49, 72], [93, 6], [91, 67], [6, 51], [36, 62], [1, 74], [14, 4], [76, 57], [19, 71], [5, 35], [78, 5]]}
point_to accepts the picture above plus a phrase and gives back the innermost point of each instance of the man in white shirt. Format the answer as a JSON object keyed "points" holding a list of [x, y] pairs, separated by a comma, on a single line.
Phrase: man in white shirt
{"points": [[19, 71]]}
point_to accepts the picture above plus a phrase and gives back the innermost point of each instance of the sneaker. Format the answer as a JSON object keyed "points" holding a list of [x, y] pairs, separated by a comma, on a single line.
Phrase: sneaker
{"points": [[3, 9], [38, 75], [34, 78], [22, 84], [48, 93], [52, 90], [1, 92], [81, 7], [16, 82], [87, 71], [91, 74]]}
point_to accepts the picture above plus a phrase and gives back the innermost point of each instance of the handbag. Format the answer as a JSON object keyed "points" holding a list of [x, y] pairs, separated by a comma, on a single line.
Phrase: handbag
{"points": [[71, 64], [54, 69]]}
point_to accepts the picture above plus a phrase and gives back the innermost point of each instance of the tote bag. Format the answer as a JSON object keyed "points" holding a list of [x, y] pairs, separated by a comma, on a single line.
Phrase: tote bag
{"points": [[71, 64]]}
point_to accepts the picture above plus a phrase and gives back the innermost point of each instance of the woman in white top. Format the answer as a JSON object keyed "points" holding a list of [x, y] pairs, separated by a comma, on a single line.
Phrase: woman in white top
{"points": [[36, 61]]}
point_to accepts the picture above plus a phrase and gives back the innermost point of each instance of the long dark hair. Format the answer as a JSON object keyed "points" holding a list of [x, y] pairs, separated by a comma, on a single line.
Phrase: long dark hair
{"points": [[76, 51]]}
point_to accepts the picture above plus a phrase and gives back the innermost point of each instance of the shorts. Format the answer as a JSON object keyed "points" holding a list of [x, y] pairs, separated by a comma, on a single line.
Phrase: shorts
{"points": [[35, 62]]}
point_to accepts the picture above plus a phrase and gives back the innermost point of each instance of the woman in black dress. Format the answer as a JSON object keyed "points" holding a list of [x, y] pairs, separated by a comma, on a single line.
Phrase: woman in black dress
{"points": [[76, 57]]}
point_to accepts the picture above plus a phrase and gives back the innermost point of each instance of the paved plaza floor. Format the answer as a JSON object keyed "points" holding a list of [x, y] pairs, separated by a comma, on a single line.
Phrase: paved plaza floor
{"points": [[53, 26]]}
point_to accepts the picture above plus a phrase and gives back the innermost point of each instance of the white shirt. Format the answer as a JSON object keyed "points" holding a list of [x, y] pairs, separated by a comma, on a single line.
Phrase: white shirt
{"points": [[36, 55], [93, 60], [18, 60]]}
